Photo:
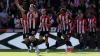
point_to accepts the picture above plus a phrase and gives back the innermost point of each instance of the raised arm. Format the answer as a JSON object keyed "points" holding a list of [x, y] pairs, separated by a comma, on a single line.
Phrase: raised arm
{"points": [[19, 7]]}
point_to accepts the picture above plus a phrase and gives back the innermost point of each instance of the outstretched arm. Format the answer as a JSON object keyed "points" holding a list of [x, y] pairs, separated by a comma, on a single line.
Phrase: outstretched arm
{"points": [[19, 7]]}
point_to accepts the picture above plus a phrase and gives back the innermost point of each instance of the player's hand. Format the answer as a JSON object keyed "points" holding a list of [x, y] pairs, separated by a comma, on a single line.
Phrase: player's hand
{"points": [[41, 25]]}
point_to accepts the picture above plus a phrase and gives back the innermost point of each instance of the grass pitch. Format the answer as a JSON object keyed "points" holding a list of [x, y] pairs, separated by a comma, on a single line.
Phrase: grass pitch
{"points": [[51, 53]]}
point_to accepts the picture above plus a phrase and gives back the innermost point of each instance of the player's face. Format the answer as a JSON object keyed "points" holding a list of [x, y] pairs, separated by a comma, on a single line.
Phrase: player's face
{"points": [[44, 12], [62, 11], [32, 9], [91, 15], [81, 16]]}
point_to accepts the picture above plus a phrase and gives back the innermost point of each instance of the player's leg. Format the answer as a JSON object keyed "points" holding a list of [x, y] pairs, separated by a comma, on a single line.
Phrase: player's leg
{"points": [[69, 42], [46, 41], [81, 42], [33, 40], [88, 40], [66, 40], [95, 41], [27, 42], [57, 40], [41, 37]]}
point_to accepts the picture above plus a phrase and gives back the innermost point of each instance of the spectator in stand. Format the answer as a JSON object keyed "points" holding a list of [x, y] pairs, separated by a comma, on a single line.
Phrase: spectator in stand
{"points": [[89, 9], [10, 21], [17, 22], [12, 10], [54, 6], [4, 18]]}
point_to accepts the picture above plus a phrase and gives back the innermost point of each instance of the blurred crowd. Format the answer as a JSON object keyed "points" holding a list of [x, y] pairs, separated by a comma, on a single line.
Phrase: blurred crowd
{"points": [[10, 15]]}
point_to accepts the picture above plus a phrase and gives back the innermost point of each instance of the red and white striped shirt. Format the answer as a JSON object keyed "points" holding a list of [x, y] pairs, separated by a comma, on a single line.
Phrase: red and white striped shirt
{"points": [[64, 21], [44, 20], [59, 27], [81, 26], [71, 26], [32, 18], [24, 25], [92, 24]]}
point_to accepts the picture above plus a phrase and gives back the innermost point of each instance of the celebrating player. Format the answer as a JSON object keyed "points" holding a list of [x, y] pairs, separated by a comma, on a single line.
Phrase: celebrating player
{"points": [[63, 29], [92, 31], [81, 29], [25, 32], [44, 27], [31, 20]]}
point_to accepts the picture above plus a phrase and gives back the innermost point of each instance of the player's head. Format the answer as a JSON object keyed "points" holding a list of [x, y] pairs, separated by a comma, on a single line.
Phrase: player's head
{"points": [[91, 14], [32, 8], [62, 10], [43, 11], [81, 15]]}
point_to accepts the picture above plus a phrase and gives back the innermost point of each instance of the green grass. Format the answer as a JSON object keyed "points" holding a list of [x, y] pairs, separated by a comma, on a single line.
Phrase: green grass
{"points": [[51, 53]]}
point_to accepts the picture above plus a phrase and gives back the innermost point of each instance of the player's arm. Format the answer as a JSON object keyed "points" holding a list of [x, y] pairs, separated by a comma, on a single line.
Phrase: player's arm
{"points": [[49, 22], [41, 24], [21, 20], [36, 15], [19, 7], [73, 25], [69, 16], [58, 19], [86, 25]]}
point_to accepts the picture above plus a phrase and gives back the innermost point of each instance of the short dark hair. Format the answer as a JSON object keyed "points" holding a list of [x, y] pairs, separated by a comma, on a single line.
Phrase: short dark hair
{"points": [[63, 9]]}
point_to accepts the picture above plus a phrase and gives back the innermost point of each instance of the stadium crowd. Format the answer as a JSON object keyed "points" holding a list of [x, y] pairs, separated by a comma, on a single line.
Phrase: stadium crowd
{"points": [[10, 15]]}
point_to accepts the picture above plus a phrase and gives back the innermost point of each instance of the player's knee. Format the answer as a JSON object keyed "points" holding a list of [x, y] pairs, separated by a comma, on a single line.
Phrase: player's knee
{"points": [[46, 40], [26, 40], [46, 35], [31, 38], [40, 38]]}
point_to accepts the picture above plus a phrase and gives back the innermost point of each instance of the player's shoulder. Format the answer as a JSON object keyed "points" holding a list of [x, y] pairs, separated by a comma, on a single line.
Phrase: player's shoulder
{"points": [[67, 14], [21, 18], [83, 19], [48, 16], [26, 11], [59, 16], [41, 16], [76, 19], [94, 17]]}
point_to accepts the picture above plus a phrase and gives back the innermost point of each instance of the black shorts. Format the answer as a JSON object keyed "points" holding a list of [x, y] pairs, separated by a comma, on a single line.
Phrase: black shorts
{"points": [[32, 32], [25, 36], [59, 34], [44, 33], [92, 34], [64, 31], [80, 36]]}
